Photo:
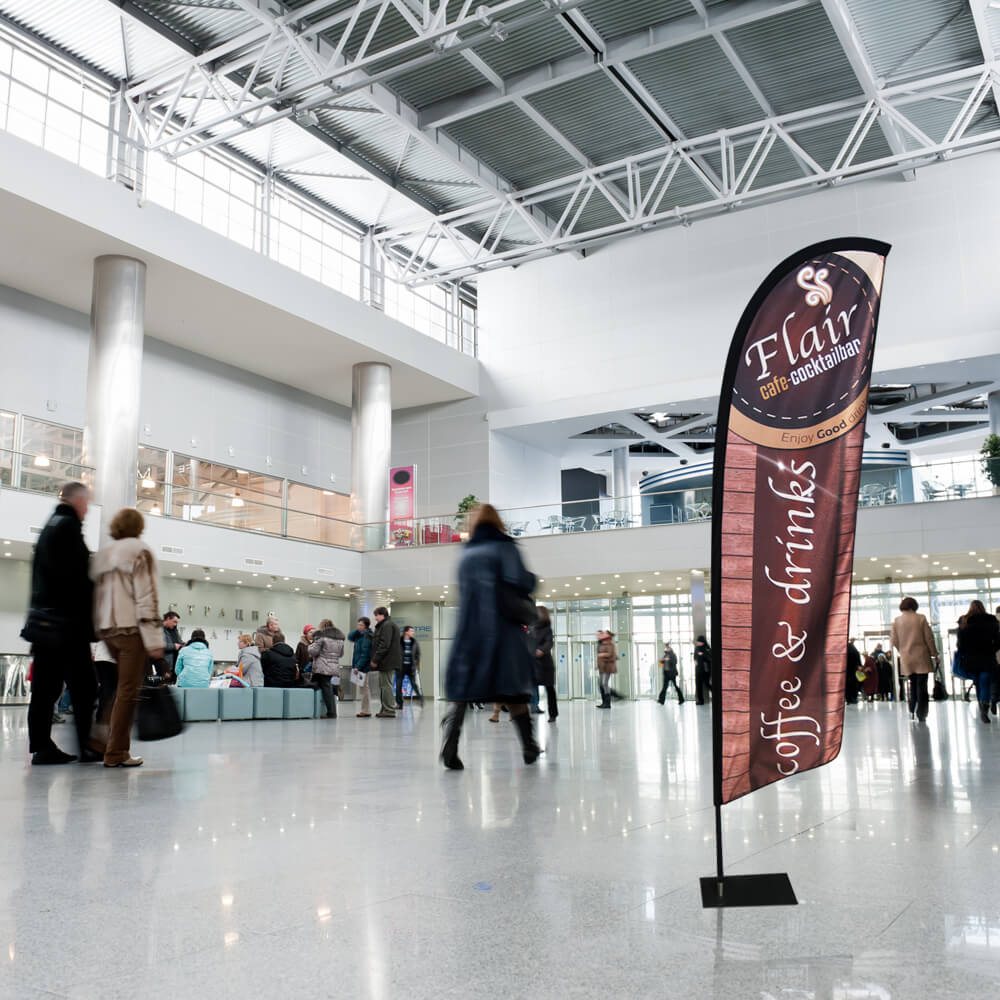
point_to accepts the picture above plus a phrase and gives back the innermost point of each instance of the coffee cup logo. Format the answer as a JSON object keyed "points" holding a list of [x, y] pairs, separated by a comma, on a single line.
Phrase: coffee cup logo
{"points": [[803, 376]]}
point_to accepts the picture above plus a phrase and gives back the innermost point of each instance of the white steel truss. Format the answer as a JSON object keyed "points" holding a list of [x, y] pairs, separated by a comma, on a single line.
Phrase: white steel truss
{"points": [[285, 67], [655, 188]]}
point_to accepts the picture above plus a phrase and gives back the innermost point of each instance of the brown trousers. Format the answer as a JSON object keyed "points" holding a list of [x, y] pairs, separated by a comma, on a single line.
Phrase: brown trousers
{"points": [[130, 655]]}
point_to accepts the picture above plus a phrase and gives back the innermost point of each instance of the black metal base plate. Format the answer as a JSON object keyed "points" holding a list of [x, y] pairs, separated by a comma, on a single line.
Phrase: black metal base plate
{"points": [[748, 890]]}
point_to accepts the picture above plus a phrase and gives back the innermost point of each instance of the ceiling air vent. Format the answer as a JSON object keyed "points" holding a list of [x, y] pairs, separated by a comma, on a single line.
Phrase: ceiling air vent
{"points": [[34, 531], [171, 550], [253, 563]]}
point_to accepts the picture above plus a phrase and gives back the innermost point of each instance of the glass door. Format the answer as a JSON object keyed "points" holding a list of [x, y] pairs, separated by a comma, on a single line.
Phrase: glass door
{"points": [[646, 677]]}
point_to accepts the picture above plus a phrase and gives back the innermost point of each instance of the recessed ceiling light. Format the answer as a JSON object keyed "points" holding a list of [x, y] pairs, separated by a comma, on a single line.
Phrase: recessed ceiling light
{"points": [[873, 559], [268, 586], [256, 574], [185, 565], [6, 542], [972, 553], [867, 578], [642, 581], [946, 568], [954, 572], [239, 583], [937, 562], [286, 578], [577, 594], [579, 577], [586, 588], [656, 572], [981, 559], [222, 571], [208, 578], [173, 574], [909, 576], [297, 590], [923, 555], [617, 575], [315, 582], [887, 566]]}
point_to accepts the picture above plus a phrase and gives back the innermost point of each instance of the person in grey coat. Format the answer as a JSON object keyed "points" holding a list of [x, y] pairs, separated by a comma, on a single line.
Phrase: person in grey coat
{"points": [[249, 662], [490, 660], [387, 658], [326, 647]]}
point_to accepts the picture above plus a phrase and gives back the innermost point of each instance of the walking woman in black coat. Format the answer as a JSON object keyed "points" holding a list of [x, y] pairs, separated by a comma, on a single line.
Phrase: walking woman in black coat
{"points": [[545, 665], [489, 660]]}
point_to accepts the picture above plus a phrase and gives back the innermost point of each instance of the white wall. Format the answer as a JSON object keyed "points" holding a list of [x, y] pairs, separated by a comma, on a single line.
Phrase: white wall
{"points": [[235, 416], [449, 445], [648, 320], [189, 599], [521, 475]]}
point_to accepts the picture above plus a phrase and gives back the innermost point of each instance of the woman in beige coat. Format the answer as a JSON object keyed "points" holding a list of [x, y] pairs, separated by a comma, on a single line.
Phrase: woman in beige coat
{"points": [[912, 637], [127, 618]]}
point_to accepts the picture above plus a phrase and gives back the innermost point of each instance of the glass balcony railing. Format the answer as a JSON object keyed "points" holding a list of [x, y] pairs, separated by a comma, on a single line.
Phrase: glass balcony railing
{"points": [[245, 508], [40, 473]]}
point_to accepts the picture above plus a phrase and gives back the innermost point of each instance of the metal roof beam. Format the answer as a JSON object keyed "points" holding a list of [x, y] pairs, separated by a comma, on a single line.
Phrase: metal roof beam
{"points": [[333, 73], [653, 200], [857, 55], [982, 12], [680, 31]]}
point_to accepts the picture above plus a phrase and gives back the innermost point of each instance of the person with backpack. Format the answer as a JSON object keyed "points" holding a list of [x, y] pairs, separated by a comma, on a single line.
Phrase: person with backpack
{"points": [[669, 664]]}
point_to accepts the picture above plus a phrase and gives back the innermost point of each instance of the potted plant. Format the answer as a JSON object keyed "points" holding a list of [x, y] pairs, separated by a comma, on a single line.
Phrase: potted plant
{"points": [[990, 453], [465, 505]]}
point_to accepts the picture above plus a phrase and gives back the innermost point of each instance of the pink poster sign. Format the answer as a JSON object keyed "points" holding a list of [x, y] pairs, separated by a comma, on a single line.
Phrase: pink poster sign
{"points": [[402, 504]]}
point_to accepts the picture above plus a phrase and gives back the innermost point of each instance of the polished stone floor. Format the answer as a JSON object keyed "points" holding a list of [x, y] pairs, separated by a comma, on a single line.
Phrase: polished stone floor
{"points": [[317, 859]]}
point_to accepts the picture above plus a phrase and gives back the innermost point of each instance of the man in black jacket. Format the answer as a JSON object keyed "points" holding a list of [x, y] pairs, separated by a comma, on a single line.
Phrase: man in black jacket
{"points": [[62, 590], [409, 666], [387, 658], [172, 644]]}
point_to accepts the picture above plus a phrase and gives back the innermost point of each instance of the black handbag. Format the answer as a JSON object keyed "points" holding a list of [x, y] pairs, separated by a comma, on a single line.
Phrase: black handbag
{"points": [[44, 629], [516, 606], [157, 717]]}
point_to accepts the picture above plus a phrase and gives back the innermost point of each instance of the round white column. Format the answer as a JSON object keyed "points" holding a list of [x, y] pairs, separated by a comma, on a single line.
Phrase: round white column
{"points": [[114, 376]]}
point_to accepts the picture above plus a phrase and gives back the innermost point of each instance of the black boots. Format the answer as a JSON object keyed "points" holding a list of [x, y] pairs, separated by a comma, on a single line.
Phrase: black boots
{"points": [[984, 712], [605, 700], [530, 750], [452, 725]]}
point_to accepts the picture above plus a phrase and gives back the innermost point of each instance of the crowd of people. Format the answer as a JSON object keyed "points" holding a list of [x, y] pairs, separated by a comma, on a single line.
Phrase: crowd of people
{"points": [[502, 652], [96, 633], [977, 660]]}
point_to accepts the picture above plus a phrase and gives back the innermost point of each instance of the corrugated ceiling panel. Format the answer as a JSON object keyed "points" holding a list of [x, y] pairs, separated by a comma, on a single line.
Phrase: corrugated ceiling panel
{"points": [[513, 145], [203, 24], [697, 86], [824, 142], [612, 19], [527, 47], [796, 60], [935, 117], [905, 38], [90, 29], [598, 118], [446, 78]]}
